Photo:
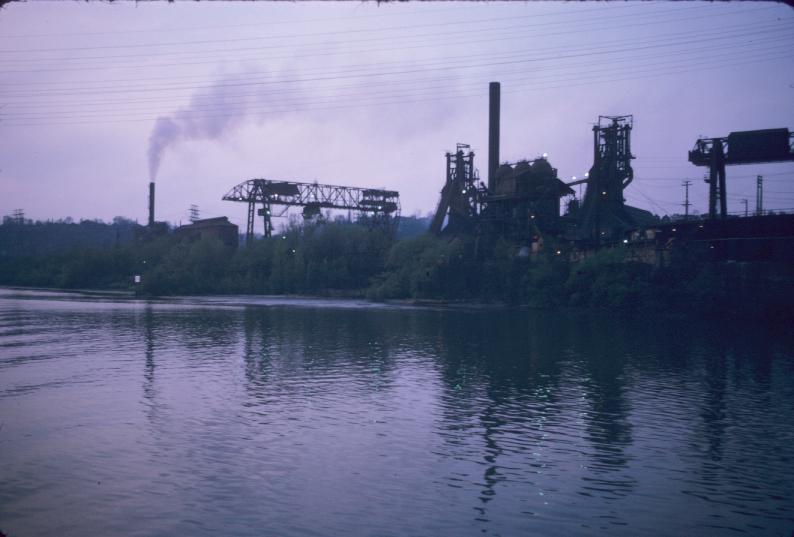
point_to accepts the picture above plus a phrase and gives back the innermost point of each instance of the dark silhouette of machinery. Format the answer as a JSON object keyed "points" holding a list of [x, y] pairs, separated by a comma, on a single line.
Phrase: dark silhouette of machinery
{"points": [[743, 147], [525, 200], [461, 196], [522, 200], [380, 207], [604, 215]]}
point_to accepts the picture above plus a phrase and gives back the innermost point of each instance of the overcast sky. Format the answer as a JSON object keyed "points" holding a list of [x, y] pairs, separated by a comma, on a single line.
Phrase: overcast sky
{"points": [[96, 96]]}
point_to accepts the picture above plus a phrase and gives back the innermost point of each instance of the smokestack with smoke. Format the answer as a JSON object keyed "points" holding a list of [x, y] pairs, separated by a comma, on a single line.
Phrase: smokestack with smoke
{"points": [[212, 113]]}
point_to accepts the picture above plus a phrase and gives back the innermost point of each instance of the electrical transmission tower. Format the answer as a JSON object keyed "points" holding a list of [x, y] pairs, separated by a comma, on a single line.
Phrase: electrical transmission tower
{"points": [[686, 203], [18, 216], [194, 212]]}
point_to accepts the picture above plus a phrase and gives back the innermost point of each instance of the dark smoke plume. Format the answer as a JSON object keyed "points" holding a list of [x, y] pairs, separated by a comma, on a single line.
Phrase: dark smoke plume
{"points": [[212, 113]]}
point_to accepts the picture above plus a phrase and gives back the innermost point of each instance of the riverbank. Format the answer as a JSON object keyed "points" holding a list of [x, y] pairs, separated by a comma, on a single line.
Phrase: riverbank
{"points": [[344, 261], [753, 315]]}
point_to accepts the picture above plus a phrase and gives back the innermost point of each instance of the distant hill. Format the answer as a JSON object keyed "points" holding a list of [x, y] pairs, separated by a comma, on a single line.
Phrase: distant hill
{"points": [[35, 238]]}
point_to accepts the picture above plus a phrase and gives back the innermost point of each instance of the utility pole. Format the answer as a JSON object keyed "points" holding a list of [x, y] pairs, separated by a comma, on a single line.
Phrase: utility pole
{"points": [[745, 207], [759, 195], [686, 203], [194, 213]]}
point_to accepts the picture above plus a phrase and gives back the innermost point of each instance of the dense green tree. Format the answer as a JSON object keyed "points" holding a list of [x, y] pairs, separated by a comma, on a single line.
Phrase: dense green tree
{"points": [[342, 258]]}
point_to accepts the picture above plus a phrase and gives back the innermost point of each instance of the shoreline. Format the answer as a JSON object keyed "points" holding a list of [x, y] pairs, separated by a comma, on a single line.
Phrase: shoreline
{"points": [[651, 312]]}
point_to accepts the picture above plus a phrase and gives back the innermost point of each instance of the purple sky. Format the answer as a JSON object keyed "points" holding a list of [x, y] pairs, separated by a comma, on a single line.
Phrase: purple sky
{"points": [[372, 95]]}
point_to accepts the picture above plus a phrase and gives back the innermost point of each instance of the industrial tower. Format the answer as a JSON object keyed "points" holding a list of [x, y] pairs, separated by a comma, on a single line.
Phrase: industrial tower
{"points": [[604, 214], [461, 195]]}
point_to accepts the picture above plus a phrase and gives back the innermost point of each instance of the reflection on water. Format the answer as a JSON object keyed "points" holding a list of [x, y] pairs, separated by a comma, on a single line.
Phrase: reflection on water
{"points": [[264, 416]]}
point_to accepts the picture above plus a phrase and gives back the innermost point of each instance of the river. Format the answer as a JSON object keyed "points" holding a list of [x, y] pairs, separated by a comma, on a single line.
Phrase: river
{"points": [[299, 417]]}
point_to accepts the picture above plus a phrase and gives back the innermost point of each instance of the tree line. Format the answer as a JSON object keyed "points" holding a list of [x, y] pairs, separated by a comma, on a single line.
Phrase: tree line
{"points": [[345, 259]]}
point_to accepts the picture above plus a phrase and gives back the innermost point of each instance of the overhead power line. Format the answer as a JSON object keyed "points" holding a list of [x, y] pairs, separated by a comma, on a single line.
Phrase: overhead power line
{"points": [[298, 36], [603, 45], [418, 13], [321, 49], [418, 89], [731, 176], [384, 103], [174, 29], [436, 67], [693, 56], [523, 34]]}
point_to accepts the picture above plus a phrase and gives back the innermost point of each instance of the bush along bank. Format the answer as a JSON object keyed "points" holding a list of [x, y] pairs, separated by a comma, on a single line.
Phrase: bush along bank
{"points": [[344, 259], [454, 269]]}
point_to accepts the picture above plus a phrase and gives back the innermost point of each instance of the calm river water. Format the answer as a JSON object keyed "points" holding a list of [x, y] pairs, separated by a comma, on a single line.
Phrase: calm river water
{"points": [[280, 417]]}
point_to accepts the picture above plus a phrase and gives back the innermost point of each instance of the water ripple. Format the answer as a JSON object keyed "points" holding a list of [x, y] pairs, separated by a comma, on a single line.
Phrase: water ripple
{"points": [[237, 417]]}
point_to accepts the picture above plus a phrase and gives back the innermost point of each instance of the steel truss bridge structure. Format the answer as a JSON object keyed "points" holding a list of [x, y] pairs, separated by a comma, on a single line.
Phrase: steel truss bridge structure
{"points": [[382, 207], [744, 147]]}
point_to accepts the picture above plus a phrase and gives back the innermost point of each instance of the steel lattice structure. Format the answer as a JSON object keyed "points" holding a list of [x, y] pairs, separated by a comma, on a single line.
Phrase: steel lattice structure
{"points": [[743, 147], [604, 212], [461, 196], [382, 205]]}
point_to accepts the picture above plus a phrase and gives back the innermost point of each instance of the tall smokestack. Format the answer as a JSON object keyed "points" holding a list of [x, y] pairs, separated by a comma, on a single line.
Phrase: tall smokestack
{"points": [[493, 133], [151, 204]]}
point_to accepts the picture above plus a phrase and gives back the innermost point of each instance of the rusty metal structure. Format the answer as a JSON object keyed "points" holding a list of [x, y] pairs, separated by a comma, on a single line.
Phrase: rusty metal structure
{"points": [[525, 200], [521, 200], [462, 196], [743, 147], [604, 214], [376, 206]]}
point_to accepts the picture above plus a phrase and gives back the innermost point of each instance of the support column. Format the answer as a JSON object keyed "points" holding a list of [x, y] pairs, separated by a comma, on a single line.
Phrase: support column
{"points": [[717, 192], [265, 212], [249, 230], [712, 188], [721, 174]]}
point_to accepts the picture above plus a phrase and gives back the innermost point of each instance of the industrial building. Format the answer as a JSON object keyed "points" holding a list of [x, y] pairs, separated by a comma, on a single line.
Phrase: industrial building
{"points": [[521, 201], [525, 199], [211, 228], [373, 206]]}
